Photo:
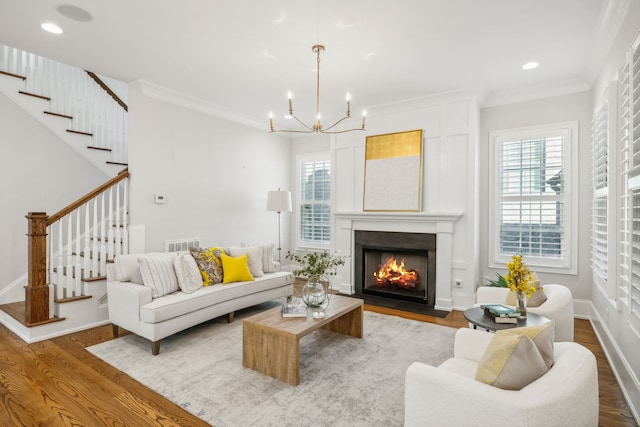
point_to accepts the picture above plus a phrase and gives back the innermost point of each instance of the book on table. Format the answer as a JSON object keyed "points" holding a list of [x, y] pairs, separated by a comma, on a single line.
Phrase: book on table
{"points": [[500, 319], [500, 310], [295, 308]]}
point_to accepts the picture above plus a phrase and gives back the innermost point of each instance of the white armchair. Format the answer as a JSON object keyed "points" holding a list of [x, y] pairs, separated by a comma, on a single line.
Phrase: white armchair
{"points": [[448, 395], [558, 306]]}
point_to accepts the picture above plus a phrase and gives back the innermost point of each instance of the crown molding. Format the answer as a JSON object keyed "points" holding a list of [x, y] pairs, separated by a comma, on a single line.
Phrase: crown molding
{"points": [[533, 93], [171, 96]]}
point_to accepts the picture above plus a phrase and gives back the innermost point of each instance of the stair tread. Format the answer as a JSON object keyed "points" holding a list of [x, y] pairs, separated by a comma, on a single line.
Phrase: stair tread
{"points": [[79, 132], [82, 278], [64, 116], [117, 163], [99, 148], [18, 76], [34, 95], [71, 299], [17, 310]]}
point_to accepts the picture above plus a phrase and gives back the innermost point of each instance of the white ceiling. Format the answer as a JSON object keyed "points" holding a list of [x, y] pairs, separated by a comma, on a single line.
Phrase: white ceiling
{"points": [[243, 56]]}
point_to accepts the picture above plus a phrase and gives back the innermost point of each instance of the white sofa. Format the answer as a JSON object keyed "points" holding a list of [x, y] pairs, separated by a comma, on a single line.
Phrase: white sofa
{"points": [[557, 307], [132, 307], [448, 395]]}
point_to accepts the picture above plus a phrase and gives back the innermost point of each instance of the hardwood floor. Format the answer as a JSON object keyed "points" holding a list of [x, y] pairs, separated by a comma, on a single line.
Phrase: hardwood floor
{"points": [[58, 383]]}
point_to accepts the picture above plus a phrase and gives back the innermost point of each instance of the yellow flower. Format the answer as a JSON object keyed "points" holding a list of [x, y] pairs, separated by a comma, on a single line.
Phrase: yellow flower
{"points": [[519, 276]]}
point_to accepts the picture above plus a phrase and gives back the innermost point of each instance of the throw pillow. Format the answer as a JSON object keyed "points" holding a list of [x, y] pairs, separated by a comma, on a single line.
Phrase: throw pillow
{"points": [[254, 258], [235, 269], [516, 357], [268, 265], [158, 273], [535, 300], [209, 264], [187, 272]]}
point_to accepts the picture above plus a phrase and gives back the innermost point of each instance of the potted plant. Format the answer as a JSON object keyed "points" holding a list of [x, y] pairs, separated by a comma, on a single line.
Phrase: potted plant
{"points": [[316, 266]]}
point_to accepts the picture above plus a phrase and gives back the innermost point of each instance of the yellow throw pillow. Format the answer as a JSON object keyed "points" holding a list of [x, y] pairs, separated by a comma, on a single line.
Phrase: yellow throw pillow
{"points": [[516, 357], [235, 269]]}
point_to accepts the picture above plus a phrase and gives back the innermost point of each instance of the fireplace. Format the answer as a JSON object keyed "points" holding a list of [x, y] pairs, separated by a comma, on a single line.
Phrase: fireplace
{"points": [[395, 266]]}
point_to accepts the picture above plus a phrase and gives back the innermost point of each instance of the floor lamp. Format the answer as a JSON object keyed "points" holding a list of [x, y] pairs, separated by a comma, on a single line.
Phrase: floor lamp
{"points": [[279, 201]]}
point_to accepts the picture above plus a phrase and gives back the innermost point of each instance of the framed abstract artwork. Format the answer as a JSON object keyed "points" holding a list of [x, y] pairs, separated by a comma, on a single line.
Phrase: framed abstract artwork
{"points": [[393, 172]]}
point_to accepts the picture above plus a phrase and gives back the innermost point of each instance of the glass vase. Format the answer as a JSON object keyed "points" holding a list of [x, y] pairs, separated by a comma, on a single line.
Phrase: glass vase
{"points": [[521, 303], [315, 296]]}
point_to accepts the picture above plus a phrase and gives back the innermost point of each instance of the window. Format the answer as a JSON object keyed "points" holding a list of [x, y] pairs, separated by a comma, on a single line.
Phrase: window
{"points": [[533, 205], [600, 201], [314, 201]]}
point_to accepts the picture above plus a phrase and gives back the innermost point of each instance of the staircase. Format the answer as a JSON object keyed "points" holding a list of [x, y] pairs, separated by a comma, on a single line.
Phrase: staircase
{"points": [[68, 251], [76, 105]]}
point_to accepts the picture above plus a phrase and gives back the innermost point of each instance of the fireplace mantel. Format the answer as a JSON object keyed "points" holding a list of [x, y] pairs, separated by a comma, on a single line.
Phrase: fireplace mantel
{"points": [[439, 223]]}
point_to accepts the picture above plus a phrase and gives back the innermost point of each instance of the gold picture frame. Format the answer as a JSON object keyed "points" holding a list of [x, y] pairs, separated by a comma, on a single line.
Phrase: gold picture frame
{"points": [[393, 172]]}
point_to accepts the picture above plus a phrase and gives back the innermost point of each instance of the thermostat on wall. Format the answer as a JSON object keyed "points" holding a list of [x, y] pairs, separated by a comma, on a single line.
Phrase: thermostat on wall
{"points": [[160, 199]]}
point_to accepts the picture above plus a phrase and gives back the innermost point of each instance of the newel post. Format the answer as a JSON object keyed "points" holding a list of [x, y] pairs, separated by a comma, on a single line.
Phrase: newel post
{"points": [[37, 290]]}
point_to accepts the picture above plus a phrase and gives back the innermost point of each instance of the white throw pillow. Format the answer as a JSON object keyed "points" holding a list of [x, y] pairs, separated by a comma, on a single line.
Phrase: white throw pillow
{"points": [[254, 258], [268, 265], [158, 273], [189, 277]]}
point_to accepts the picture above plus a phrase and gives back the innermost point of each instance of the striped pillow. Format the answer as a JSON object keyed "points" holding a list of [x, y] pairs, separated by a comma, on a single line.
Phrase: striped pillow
{"points": [[158, 273]]}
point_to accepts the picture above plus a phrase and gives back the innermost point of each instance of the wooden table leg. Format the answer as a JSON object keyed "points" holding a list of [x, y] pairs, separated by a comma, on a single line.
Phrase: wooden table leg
{"points": [[349, 323], [271, 352]]}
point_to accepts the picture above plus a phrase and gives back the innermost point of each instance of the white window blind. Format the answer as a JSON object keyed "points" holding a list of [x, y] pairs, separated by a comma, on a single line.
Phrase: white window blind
{"points": [[624, 245], [532, 203], [633, 181], [315, 202], [599, 214]]}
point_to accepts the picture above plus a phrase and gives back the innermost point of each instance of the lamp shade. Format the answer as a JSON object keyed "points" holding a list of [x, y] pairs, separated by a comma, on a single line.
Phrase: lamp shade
{"points": [[279, 201]]}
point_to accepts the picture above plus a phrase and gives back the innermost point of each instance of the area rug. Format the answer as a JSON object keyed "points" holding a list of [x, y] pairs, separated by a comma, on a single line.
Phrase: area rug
{"points": [[344, 381]]}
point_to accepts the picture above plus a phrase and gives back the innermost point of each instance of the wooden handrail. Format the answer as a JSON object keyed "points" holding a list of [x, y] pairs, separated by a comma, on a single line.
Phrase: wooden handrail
{"points": [[107, 89], [84, 199]]}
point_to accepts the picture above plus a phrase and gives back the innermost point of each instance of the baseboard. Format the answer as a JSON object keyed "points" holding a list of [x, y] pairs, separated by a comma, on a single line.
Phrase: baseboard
{"points": [[624, 375], [582, 309]]}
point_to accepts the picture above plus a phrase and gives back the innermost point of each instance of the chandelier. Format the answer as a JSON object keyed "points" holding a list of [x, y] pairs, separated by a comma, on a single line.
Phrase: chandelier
{"points": [[317, 126]]}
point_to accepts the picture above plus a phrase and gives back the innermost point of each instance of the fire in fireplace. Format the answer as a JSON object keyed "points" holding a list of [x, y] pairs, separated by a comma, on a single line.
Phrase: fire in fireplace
{"points": [[395, 266], [394, 275]]}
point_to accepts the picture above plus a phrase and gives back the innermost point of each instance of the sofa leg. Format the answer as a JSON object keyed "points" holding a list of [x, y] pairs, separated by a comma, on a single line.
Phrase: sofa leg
{"points": [[155, 347], [116, 330], [231, 316]]}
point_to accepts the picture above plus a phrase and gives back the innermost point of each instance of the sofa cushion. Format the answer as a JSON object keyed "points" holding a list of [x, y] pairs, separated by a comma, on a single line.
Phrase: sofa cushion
{"points": [[127, 269], [235, 269], [179, 303], [254, 258], [516, 357], [209, 264], [158, 273], [187, 272], [268, 264]]}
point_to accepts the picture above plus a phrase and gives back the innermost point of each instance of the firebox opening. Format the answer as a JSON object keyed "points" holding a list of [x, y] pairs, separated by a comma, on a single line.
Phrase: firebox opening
{"points": [[401, 274], [395, 266]]}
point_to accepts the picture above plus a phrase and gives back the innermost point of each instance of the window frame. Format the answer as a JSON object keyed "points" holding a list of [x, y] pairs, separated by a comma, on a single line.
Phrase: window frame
{"points": [[301, 159], [569, 263]]}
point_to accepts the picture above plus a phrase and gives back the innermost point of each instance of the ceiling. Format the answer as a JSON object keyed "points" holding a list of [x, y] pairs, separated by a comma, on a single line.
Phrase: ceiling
{"points": [[243, 56]]}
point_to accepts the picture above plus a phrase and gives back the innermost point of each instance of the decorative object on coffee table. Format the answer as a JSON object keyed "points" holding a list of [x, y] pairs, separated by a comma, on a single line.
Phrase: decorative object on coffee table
{"points": [[519, 278], [316, 266]]}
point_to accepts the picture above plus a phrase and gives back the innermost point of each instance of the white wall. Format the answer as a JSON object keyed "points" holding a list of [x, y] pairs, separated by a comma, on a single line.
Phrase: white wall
{"points": [[40, 173], [450, 131], [214, 174], [549, 110]]}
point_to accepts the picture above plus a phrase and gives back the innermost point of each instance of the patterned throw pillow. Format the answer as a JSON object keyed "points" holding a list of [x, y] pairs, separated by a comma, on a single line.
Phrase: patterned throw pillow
{"points": [[209, 264], [187, 272]]}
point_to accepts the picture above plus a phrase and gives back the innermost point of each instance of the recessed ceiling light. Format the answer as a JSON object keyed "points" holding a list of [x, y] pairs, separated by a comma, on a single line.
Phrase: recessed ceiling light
{"points": [[530, 65], [51, 27]]}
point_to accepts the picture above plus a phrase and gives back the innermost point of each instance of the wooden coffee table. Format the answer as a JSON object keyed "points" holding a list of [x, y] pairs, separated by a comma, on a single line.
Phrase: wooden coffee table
{"points": [[271, 343]]}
